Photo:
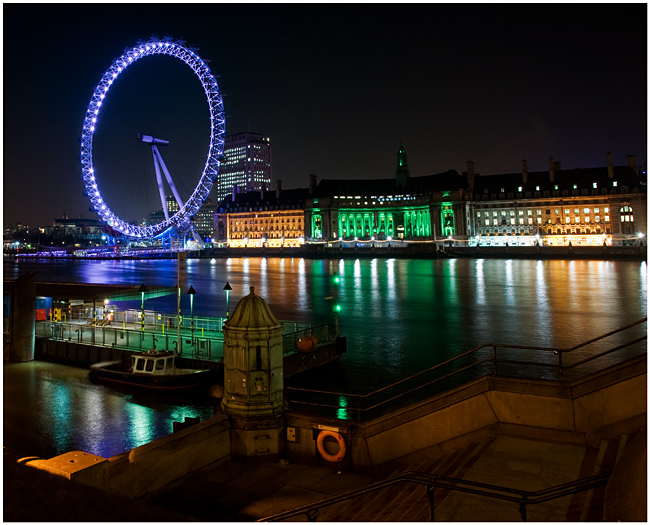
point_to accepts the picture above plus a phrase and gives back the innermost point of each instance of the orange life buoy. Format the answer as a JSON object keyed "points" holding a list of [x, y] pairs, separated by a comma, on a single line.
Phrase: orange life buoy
{"points": [[335, 458]]}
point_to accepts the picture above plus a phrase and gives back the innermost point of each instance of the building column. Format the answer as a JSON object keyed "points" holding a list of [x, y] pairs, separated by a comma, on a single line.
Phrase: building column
{"points": [[23, 320]]}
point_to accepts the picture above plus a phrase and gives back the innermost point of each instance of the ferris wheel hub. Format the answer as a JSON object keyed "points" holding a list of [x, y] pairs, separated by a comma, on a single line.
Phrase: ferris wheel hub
{"points": [[152, 140]]}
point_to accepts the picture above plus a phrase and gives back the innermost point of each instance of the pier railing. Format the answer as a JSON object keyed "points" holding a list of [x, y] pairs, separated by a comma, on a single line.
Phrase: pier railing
{"points": [[198, 338], [528, 362]]}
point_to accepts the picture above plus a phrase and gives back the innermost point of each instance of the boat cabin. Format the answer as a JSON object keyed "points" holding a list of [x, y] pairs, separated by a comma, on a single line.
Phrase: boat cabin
{"points": [[155, 363]]}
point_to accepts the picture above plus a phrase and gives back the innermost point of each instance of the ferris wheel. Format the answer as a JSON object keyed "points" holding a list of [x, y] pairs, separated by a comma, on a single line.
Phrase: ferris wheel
{"points": [[185, 209]]}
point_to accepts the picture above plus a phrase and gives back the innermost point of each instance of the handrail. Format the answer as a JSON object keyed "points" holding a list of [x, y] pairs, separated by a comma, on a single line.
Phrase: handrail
{"points": [[358, 399], [432, 481]]}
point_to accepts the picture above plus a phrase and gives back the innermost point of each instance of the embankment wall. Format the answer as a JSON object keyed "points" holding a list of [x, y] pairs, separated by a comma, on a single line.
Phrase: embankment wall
{"points": [[580, 412]]}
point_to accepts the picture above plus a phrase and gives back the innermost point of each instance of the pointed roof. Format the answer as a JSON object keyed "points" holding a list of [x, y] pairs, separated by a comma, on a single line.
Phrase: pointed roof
{"points": [[252, 312]]}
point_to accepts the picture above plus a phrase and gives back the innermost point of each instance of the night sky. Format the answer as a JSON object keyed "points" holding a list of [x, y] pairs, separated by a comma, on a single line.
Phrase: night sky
{"points": [[336, 87]]}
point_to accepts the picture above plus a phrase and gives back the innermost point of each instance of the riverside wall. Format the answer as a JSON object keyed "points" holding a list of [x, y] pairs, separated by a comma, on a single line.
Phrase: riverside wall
{"points": [[582, 412], [429, 250]]}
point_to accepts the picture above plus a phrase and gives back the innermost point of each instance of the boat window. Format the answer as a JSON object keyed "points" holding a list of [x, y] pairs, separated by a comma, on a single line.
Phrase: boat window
{"points": [[149, 367], [170, 362], [139, 364], [160, 364]]}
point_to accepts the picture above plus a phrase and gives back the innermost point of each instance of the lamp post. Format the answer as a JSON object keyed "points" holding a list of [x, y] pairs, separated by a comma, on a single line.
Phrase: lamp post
{"points": [[191, 292], [142, 291], [227, 288]]}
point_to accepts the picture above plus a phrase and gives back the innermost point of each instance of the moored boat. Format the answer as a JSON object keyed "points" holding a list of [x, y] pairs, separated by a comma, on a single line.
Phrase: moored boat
{"points": [[154, 370]]}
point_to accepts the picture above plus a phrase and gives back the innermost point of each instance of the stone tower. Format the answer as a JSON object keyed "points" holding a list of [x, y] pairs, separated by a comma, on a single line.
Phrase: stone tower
{"points": [[402, 173], [253, 377]]}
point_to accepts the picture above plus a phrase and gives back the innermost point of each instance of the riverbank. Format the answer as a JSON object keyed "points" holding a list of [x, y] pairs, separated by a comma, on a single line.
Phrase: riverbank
{"points": [[397, 251]]}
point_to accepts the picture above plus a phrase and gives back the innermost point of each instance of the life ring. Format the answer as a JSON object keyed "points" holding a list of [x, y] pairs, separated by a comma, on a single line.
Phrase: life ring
{"points": [[321, 449]]}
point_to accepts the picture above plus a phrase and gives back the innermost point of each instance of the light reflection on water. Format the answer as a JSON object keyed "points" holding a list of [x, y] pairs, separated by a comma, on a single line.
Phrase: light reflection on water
{"points": [[399, 315], [50, 409]]}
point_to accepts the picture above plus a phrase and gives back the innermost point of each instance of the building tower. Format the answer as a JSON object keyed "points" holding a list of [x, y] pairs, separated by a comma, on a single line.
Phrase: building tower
{"points": [[402, 172], [253, 378], [247, 164]]}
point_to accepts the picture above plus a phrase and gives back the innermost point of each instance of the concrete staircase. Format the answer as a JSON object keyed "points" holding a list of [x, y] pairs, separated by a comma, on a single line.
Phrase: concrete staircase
{"points": [[409, 501], [589, 505], [406, 501]]}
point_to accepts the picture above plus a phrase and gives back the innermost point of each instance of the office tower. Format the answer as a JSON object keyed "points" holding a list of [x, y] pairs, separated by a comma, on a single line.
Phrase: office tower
{"points": [[246, 165]]}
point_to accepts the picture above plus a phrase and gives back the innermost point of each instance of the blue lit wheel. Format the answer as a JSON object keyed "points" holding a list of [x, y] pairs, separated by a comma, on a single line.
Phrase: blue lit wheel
{"points": [[191, 205]]}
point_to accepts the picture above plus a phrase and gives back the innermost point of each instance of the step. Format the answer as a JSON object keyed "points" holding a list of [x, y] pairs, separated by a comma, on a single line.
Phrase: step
{"points": [[589, 505]]}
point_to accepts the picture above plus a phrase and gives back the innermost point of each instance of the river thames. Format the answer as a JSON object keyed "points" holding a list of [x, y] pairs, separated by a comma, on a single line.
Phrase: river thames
{"points": [[399, 316]]}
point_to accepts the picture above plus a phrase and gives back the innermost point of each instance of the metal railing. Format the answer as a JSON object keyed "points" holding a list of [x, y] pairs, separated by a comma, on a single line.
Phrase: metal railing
{"points": [[201, 339], [529, 362], [522, 498]]}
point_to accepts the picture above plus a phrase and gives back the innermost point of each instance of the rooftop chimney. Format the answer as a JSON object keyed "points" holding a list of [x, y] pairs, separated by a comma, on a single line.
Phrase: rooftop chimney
{"points": [[631, 162], [278, 189], [312, 184], [551, 169], [610, 166], [524, 171]]}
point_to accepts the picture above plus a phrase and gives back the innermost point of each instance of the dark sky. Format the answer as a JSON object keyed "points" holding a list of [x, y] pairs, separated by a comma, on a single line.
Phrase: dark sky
{"points": [[338, 86]]}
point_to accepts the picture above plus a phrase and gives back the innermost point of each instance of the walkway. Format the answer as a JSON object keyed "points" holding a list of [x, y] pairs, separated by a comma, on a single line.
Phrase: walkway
{"points": [[238, 491]]}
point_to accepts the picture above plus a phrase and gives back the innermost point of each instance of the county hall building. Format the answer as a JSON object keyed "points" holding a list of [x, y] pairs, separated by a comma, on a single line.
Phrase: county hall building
{"points": [[591, 206]]}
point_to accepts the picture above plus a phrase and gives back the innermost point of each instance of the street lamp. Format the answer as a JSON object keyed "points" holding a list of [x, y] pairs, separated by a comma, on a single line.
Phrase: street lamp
{"points": [[191, 292], [227, 288], [142, 291]]}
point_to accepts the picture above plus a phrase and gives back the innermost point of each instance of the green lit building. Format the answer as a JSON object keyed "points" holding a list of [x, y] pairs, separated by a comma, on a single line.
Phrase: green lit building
{"points": [[427, 208]]}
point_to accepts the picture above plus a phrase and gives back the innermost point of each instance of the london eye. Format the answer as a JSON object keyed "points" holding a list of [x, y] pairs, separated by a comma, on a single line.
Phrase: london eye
{"points": [[175, 216]]}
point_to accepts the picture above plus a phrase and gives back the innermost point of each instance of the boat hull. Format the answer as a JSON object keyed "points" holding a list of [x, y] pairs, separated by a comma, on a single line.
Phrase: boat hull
{"points": [[116, 373]]}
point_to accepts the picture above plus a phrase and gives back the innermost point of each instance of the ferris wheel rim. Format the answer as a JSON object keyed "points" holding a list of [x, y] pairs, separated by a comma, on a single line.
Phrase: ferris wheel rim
{"points": [[187, 55]]}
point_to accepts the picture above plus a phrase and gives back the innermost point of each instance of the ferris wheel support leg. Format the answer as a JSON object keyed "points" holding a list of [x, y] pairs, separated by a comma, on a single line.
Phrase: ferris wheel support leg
{"points": [[161, 188], [168, 177]]}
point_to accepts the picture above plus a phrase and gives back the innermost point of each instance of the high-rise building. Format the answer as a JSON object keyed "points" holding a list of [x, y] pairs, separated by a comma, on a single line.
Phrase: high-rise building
{"points": [[247, 164]]}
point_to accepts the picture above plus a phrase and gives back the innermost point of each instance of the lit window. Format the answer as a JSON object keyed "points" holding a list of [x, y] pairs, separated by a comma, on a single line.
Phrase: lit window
{"points": [[521, 221], [596, 210], [606, 218], [478, 214], [530, 220], [503, 190], [555, 187], [539, 212], [595, 185], [586, 210], [530, 212], [539, 220], [521, 212], [512, 222], [606, 210], [567, 220], [587, 219], [496, 222], [487, 222], [615, 184], [536, 188], [520, 188], [575, 186], [597, 218]]}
